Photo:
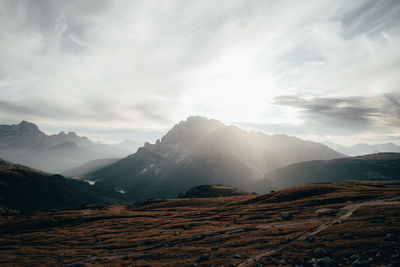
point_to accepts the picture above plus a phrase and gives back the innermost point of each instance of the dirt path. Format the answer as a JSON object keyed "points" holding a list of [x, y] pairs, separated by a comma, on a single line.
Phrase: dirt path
{"points": [[343, 214]]}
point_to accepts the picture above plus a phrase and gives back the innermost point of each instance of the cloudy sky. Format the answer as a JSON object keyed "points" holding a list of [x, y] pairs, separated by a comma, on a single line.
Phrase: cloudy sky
{"points": [[115, 70]]}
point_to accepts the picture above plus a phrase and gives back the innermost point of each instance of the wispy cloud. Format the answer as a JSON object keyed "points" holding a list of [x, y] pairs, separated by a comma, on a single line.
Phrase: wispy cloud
{"points": [[147, 64], [347, 113]]}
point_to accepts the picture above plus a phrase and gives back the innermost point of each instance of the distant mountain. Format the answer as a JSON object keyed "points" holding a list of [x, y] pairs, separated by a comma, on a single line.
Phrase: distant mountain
{"points": [[364, 149], [206, 191], [89, 167], [374, 167], [201, 151], [25, 189], [24, 143]]}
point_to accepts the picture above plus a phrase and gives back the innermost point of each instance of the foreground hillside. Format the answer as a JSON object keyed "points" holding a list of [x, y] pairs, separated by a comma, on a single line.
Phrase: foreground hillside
{"points": [[348, 223], [373, 167], [26, 189]]}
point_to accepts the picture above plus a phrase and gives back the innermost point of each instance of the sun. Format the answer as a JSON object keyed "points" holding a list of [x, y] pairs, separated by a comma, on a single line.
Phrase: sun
{"points": [[235, 86]]}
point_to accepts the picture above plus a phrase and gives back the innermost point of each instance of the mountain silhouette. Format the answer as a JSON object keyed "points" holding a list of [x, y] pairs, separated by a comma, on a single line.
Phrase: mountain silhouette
{"points": [[373, 167], [200, 151], [26, 144]]}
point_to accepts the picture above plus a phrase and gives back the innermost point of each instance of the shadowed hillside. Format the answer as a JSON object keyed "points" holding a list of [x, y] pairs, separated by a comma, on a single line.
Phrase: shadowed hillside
{"points": [[379, 167], [25, 189]]}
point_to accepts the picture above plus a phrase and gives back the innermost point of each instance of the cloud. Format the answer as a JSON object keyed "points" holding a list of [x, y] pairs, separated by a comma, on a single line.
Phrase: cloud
{"points": [[134, 65], [371, 18], [346, 114]]}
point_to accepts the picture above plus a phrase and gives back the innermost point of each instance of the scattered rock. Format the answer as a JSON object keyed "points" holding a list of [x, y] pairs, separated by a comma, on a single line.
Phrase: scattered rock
{"points": [[396, 256], [319, 252], [214, 248], [286, 215], [325, 262], [282, 262], [203, 257], [391, 237], [360, 263], [237, 256], [355, 257], [378, 255]]}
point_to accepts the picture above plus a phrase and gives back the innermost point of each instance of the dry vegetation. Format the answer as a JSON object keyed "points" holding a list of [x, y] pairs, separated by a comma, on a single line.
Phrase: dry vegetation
{"points": [[339, 219]]}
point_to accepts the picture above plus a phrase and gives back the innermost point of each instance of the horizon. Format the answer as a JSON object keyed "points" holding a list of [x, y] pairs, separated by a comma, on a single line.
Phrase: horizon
{"points": [[115, 71], [155, 137]]}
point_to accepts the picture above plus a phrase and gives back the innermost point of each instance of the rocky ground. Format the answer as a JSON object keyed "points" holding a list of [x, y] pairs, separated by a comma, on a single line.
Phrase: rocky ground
{"points": [[338, 224]]}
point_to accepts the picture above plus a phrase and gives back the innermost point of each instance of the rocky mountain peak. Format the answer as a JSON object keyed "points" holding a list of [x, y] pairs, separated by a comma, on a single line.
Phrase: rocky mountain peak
{"points": [[72, 134], [26, 126], [193, 127]]}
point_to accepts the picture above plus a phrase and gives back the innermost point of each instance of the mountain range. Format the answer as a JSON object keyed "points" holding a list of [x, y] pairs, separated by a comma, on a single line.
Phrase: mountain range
{"points": [[26, 144], [198, 156], [202, 151], [364, 149]]}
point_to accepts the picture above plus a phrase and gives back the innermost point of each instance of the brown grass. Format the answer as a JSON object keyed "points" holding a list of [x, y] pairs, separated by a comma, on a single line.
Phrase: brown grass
{"points": [[176, 231]]}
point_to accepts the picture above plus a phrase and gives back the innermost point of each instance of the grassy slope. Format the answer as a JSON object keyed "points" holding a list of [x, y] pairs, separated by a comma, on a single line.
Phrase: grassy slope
{"points": [[175, 232]]}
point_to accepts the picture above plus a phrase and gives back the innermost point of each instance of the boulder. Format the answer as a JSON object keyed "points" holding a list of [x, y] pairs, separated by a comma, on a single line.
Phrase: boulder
{"points": [[286, 215], [203, 257], [325, 262]]}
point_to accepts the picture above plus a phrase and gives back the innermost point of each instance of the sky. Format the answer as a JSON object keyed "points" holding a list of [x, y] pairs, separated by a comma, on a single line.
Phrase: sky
{"points": [[115, 70]]}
